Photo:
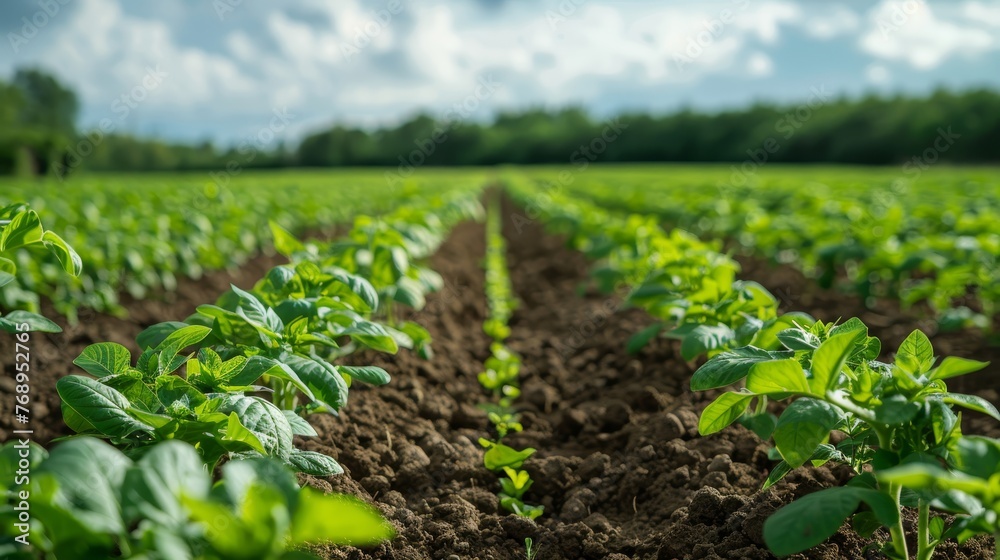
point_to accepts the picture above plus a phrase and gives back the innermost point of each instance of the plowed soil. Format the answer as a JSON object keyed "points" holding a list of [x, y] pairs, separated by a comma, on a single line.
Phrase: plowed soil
{"points": [[620, 468]]}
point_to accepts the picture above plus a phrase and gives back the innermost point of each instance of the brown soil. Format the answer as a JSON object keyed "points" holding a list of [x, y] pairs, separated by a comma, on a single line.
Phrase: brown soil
{"points": [[620, 468]]}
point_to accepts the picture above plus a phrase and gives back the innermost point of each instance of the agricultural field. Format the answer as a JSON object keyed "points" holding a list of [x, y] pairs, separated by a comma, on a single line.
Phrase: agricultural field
{"points": [[643, 361]]}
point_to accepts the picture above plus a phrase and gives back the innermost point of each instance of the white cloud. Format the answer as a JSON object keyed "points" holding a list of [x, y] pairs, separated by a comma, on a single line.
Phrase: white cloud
{"points": [[760, 65], [984, 13], [826, 22], [910, 32], [877, 74]]}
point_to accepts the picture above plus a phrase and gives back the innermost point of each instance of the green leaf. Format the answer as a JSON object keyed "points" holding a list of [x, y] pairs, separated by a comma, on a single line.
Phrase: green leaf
{"points": [[812, 519], [360, 286], [972, 402], [499, 456], [851, 325], [8, 271], [313, 463], [266, 422], [237, 432], [153, 336], [896, 410], [171, 389], [730, 366], [338, 520], [915, 354], [284, 242], [322, 378], [104, 358], [300, 426], [777, 473], [35, 322], [368, 374], [640, 339], [372, 335], [953, 367], [921, 476], [177, 341], [798, 339], [830, 358], [89, 405], [704, 338], [257, 366], [24, 229], [90, 474], [778, 377], [804, 425], [723, 411], [67, 256], [410, 292], [152, 488]]}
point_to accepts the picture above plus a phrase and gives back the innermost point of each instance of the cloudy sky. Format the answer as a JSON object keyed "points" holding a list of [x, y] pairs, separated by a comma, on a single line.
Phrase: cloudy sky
{"points": [[219, 69]]}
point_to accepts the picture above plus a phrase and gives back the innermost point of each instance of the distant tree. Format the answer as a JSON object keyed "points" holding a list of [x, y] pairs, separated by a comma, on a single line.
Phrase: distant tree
{"points": [[47, 103]]}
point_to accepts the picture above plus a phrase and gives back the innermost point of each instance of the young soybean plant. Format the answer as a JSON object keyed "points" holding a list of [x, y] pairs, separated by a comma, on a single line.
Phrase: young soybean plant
{"points": [[88, 500], [21, 228], [501, 377], [137, 406], [891, 414], [970, 490]]}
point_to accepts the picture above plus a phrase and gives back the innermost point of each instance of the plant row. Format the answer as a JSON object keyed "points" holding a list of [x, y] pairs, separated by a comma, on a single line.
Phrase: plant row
{"points": [[191, 401], [141, 235], [501, 376], [929, 240], [895, 423]]}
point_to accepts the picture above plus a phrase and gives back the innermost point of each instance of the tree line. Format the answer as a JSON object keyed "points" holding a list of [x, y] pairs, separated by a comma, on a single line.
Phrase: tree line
{"points": [[39, 135]]}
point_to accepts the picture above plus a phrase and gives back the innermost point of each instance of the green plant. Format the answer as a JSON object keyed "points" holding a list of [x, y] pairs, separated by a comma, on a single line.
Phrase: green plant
{"points": [[890, 414], [683, 282], [298, 337], [136, 406], [969, 489], [141, 234], [21, 228], [530, 552], [88, 500], [501, 377]]}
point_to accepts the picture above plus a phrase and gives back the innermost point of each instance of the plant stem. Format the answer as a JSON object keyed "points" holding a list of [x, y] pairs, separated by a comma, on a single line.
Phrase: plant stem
{"points": [[898, 535], [924, 548], [996, 546]]}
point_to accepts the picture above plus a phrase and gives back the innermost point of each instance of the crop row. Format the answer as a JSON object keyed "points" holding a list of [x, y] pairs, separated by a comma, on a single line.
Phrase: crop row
{"points": [[501, 376], [900, 425], [140, 235], [172, 417], [879, 234]]}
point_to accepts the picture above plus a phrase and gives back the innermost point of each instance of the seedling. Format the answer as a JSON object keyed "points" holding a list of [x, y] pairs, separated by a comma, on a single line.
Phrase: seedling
{"points": [[501, 377]]}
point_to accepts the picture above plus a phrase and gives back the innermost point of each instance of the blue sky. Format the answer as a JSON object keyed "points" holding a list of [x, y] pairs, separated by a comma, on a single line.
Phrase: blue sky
{"points": [[220, 69]]}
